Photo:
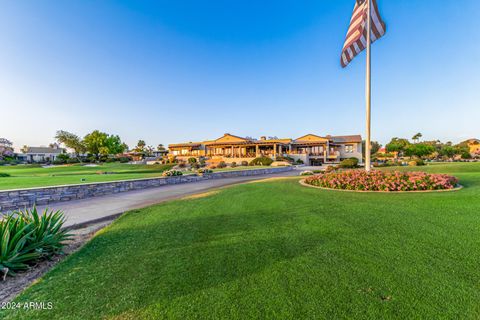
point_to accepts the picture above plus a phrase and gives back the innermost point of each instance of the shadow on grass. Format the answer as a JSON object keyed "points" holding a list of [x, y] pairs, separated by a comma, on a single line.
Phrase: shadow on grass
{"points": [[134, 266]]}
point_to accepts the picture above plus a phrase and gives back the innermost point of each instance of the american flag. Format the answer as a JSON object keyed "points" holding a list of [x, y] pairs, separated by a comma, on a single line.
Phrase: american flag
{"points": [[356, 40]]}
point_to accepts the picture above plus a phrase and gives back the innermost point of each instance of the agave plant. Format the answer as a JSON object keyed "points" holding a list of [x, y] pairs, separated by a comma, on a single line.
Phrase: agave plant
{"points": [[47, 236], [14, 236], [27, 236]]}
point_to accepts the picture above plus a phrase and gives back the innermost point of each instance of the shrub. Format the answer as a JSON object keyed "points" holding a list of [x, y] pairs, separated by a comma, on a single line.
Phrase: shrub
{"points": [[306, 173], [244, 163], [466, 155], [124, 159], [195, 165], [110, 160], [63, 157], [58, 162], [172, 173], [286, 159], [182, 165], [73, 160], [192, 160], [28, 236], [329, 168], [382, 181], [203, 171], [299, 161], [221, 164], [393, 163], [349, 163], [416, 162], [233, 164], [91, 159], [4, 175], [262, 161]]}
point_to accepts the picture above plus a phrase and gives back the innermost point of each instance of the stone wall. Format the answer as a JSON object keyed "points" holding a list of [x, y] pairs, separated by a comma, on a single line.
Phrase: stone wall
{"points": [[20, 198]]}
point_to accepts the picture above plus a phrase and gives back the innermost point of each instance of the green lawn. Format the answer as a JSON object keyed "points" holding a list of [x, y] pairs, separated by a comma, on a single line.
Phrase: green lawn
{"points": [[278, 250], [25, 176]]}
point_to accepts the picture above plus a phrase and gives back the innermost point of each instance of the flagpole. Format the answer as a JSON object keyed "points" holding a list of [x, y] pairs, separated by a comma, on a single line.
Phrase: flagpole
{"points": [[368, 94]]}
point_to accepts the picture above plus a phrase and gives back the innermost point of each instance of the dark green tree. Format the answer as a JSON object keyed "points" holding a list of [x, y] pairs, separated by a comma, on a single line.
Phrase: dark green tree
{"points": [[397, 145], [419, 150]]}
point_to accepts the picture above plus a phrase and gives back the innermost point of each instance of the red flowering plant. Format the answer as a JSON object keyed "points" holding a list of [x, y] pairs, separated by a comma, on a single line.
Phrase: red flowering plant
{"points": [[382, 181]]}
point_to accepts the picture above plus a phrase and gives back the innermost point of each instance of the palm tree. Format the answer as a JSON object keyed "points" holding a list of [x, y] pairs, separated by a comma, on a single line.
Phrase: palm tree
{"points": [[416, 138]]}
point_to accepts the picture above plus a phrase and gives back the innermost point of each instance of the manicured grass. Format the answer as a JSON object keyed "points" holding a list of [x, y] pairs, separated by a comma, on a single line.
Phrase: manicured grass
{"points": [[278, 250], [26, 176]]}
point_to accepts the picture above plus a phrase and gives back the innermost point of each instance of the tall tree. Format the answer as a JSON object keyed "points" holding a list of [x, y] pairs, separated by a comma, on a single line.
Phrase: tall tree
{"points": [[115, 145], [160, 147], [416, 137], [70, 140], [397, 145], [100, 143], [96, 143], [140, 147]]}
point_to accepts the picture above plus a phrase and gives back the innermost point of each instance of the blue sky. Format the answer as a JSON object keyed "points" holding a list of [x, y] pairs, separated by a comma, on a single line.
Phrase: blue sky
{"points": [[173, 71]]}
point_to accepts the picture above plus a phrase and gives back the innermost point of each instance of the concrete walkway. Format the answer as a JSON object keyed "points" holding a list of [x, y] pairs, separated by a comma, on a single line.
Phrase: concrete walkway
{"points": [[83, 212]]}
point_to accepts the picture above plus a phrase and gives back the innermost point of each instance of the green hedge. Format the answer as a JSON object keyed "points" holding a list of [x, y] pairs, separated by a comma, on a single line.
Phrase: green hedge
{"points": [[349, 163], [262, 161]]}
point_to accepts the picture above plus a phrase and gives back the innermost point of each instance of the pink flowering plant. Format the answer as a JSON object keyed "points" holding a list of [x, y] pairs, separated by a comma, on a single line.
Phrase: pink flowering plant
{"points": [[382, 181]]}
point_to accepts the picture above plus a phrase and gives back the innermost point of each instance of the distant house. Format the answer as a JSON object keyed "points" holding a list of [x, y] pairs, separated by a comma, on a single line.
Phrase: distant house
{"points": [[159, 153], [40, 154]]}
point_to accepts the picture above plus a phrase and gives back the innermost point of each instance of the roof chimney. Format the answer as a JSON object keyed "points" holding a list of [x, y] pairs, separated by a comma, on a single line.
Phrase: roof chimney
{"points": [[263, 138]]}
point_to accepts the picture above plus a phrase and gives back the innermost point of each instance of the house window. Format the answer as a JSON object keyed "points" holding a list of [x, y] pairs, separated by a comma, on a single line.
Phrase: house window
{"points": [[349, 148]]}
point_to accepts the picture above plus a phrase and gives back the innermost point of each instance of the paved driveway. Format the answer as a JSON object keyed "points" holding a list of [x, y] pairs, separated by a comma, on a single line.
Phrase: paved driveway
{"points": [[81, 212]]}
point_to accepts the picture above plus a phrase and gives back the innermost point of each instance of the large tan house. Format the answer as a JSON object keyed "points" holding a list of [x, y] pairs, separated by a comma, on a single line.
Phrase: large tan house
{"points": [[310, 148], [474, 146]]}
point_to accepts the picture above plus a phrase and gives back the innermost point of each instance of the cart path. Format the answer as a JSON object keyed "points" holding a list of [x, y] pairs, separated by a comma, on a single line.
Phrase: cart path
{"points": [[82, 212]]}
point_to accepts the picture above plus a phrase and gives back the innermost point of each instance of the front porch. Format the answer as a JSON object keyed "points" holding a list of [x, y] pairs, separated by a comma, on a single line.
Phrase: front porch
{"points": [[315, 153], [245, 150]]}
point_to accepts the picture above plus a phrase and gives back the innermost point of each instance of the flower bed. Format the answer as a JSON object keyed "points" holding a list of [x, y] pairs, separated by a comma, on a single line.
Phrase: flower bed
{"points": [[382, 181]]}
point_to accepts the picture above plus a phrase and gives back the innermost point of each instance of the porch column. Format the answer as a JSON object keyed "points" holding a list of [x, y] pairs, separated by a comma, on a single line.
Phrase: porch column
{"points": [[257, 151], [274, 149], [231, 155]]}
